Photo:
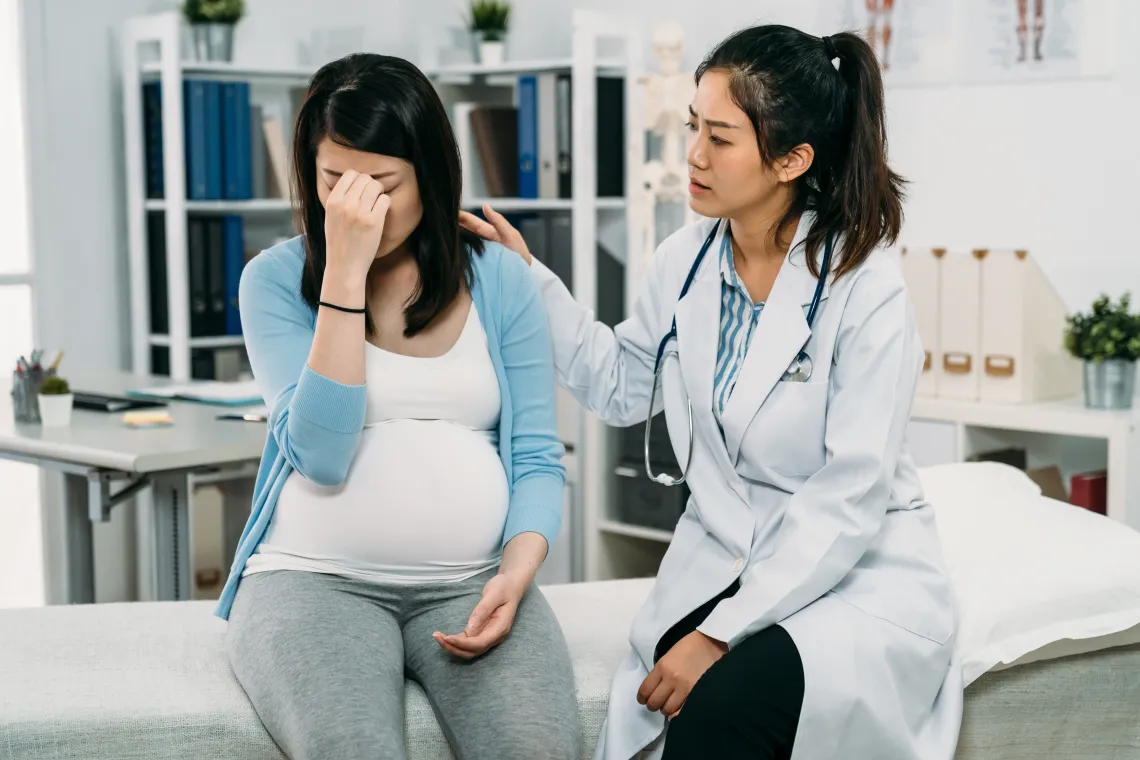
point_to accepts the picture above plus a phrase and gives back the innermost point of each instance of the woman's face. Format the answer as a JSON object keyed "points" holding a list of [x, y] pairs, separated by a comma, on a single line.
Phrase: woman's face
{"points": [[726, 173], [397, 176]]}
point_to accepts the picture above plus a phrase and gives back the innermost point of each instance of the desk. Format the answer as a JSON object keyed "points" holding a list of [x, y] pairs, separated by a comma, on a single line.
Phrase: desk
{"points": [[105, 462]]}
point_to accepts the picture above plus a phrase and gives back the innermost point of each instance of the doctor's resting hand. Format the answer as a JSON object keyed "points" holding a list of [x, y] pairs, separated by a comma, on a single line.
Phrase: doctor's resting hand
{"points": [[667, 686], [496, 229]]}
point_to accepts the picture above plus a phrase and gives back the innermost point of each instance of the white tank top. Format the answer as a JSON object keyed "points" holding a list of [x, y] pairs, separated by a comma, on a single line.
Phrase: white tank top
{"points": [[426, 495]]}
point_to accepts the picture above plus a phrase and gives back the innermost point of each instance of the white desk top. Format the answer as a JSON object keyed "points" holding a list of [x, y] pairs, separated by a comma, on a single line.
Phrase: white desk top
{"points": [[100, 439], [1067, 416]]}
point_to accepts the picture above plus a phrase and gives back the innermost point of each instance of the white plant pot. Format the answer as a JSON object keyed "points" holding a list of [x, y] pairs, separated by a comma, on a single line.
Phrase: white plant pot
{"points": [[492, 53], [55, 409]]}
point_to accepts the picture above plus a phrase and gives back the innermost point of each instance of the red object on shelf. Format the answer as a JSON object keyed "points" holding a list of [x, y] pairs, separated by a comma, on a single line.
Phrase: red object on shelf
{"points": [[1090, 490]]}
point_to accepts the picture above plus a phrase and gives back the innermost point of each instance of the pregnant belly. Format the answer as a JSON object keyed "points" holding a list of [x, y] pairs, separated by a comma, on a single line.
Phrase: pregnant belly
{"points": [[419, 493]]}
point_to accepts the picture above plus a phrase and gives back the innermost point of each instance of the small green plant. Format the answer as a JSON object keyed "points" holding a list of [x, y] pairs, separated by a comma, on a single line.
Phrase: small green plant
{"points": [[54, 385], [1110, 331], [490, 19], [213, 11]]}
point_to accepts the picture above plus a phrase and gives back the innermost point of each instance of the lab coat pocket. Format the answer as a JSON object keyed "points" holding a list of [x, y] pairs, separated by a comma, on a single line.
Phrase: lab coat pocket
{"points": [[786, 435]]}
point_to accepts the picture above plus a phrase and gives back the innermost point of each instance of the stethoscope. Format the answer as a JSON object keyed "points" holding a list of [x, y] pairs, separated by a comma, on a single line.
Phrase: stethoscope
{"points": [[798, 371]]}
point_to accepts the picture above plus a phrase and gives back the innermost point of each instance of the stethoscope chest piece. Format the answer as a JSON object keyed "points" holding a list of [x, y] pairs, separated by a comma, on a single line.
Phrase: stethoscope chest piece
{"points": [[799, 371]]}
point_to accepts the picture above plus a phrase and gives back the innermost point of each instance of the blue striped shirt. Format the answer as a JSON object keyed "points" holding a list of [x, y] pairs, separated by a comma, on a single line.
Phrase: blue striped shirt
{"points": [[738, 318]]}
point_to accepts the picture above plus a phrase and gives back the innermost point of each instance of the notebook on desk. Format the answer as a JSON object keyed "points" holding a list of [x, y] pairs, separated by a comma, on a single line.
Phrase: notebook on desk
{"points": [[217, 392], [105, 402]]}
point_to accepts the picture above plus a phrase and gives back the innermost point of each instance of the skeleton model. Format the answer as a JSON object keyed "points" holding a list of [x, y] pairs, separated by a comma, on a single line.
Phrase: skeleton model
{"points": [[667, 99], [1023, 28], [879, 14]]}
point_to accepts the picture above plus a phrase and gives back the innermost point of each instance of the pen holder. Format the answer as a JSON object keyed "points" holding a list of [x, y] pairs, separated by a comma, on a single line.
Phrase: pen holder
{"points": [[25, 391]]}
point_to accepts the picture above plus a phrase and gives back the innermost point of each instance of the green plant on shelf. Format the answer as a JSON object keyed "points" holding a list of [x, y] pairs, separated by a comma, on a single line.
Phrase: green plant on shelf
{"points": [[489, 19], [213, 11], [1109, 331], [54, 385]]}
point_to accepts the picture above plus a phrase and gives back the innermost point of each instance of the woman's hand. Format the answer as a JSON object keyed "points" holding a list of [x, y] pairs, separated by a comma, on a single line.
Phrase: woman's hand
{"points": [[499, 230], [668, 685], [354, 223], [491, 621]]}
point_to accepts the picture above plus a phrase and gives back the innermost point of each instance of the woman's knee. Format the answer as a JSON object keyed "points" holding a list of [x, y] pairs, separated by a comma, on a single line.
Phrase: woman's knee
{"points": [[535, 740]]}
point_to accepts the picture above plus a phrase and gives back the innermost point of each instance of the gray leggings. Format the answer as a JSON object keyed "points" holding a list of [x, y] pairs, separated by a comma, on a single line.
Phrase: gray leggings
{"points": [[323, 660]]}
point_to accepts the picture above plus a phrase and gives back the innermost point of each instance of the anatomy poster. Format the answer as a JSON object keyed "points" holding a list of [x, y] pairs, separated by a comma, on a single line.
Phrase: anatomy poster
{"points": [[913, 39], [1022, 39]]}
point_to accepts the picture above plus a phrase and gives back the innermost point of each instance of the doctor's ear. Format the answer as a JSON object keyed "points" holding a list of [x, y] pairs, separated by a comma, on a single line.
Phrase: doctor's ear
{"points": [[794, 163]]}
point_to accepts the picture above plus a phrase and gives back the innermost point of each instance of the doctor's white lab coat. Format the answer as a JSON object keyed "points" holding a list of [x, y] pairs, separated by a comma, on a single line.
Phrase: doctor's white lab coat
{"points": [[809, 497]]}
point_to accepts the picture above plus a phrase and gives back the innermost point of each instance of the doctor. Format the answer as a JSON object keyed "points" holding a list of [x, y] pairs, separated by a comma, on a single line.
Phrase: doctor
{"points": [[802, 609]]}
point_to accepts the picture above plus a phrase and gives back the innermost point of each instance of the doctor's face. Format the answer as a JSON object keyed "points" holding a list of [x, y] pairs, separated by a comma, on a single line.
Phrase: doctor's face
{"points": [[726, 173]]}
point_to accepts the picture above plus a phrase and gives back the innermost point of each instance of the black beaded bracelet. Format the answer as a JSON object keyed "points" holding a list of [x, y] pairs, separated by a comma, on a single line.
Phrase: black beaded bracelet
{"points": [[341, 308]]}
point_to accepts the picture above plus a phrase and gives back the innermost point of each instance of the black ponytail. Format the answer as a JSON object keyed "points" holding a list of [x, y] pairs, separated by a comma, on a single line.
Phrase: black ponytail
{"points": [[787, 84]]}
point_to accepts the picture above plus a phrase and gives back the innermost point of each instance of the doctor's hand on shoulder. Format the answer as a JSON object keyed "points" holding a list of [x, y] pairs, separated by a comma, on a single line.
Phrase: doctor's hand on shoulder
{"points": [[496, 229], [668, 685]]}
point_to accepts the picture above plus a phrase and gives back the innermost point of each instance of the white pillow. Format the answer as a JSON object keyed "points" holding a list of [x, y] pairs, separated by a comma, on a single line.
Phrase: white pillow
{"points": [[1034, 577]]}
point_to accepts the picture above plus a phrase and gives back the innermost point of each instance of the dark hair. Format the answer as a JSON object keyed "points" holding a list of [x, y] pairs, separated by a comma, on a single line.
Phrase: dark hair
{"points": [[385, 105], [784, 80]]}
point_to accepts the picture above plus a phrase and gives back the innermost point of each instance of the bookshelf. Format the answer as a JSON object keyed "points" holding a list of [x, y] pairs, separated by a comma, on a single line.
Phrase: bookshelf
{"points": [[599, 228]]}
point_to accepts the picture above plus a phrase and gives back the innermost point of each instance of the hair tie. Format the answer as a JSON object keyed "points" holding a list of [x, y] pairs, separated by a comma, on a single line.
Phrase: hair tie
{"points": [[831, 52]]}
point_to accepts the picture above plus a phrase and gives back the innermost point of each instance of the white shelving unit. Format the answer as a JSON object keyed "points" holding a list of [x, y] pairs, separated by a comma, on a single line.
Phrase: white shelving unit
{"points": [[151, 48], [595, 444], [1062, 433]]}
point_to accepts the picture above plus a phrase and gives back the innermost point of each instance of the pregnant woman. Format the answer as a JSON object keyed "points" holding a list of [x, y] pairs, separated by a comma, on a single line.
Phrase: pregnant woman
{"points": [[411, 481]]}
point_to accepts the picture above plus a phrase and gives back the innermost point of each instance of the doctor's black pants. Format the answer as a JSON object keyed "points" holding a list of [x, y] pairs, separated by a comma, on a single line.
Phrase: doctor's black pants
{"points": [[747, 705]]}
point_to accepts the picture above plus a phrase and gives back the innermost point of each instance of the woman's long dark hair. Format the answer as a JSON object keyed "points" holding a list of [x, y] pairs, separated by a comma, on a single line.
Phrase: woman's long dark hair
{"points": [[385, 105], [783, 79]]}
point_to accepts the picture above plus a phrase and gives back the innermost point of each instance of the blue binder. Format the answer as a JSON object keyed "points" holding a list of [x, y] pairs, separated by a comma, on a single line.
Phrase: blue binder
{"points": [[528, 137], [233, 254], [203, 134], [237, 158]]}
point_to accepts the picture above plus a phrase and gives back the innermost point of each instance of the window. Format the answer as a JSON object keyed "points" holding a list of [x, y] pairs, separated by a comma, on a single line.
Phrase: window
{"points": [[21, 533]]}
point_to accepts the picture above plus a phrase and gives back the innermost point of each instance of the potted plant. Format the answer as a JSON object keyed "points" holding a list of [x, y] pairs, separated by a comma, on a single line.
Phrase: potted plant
{"points": [[212, 27], [1107, 340], [55, 400], [488, 23]]}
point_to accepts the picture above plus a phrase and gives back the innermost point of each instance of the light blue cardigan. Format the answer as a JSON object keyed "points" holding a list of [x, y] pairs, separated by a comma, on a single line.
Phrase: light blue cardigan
{"points": [[315, 422]]}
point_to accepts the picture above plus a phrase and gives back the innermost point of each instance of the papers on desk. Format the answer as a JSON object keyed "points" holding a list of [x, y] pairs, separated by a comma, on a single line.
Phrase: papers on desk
{"points": [[220, 393], [250, 414]]}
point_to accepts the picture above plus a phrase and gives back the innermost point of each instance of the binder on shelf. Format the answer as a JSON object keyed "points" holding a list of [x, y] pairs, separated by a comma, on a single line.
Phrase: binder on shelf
{"points": [[216, 274], [198, 259], [548, 135], [237, 158], [259, 179], [496, 133], [610, 125], [152, 137], [564, 134], [528, 137], [203, 132], [1022, 357], [156, 273], [474, 184], [233, 244], [959, 325], [922, 268]]}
